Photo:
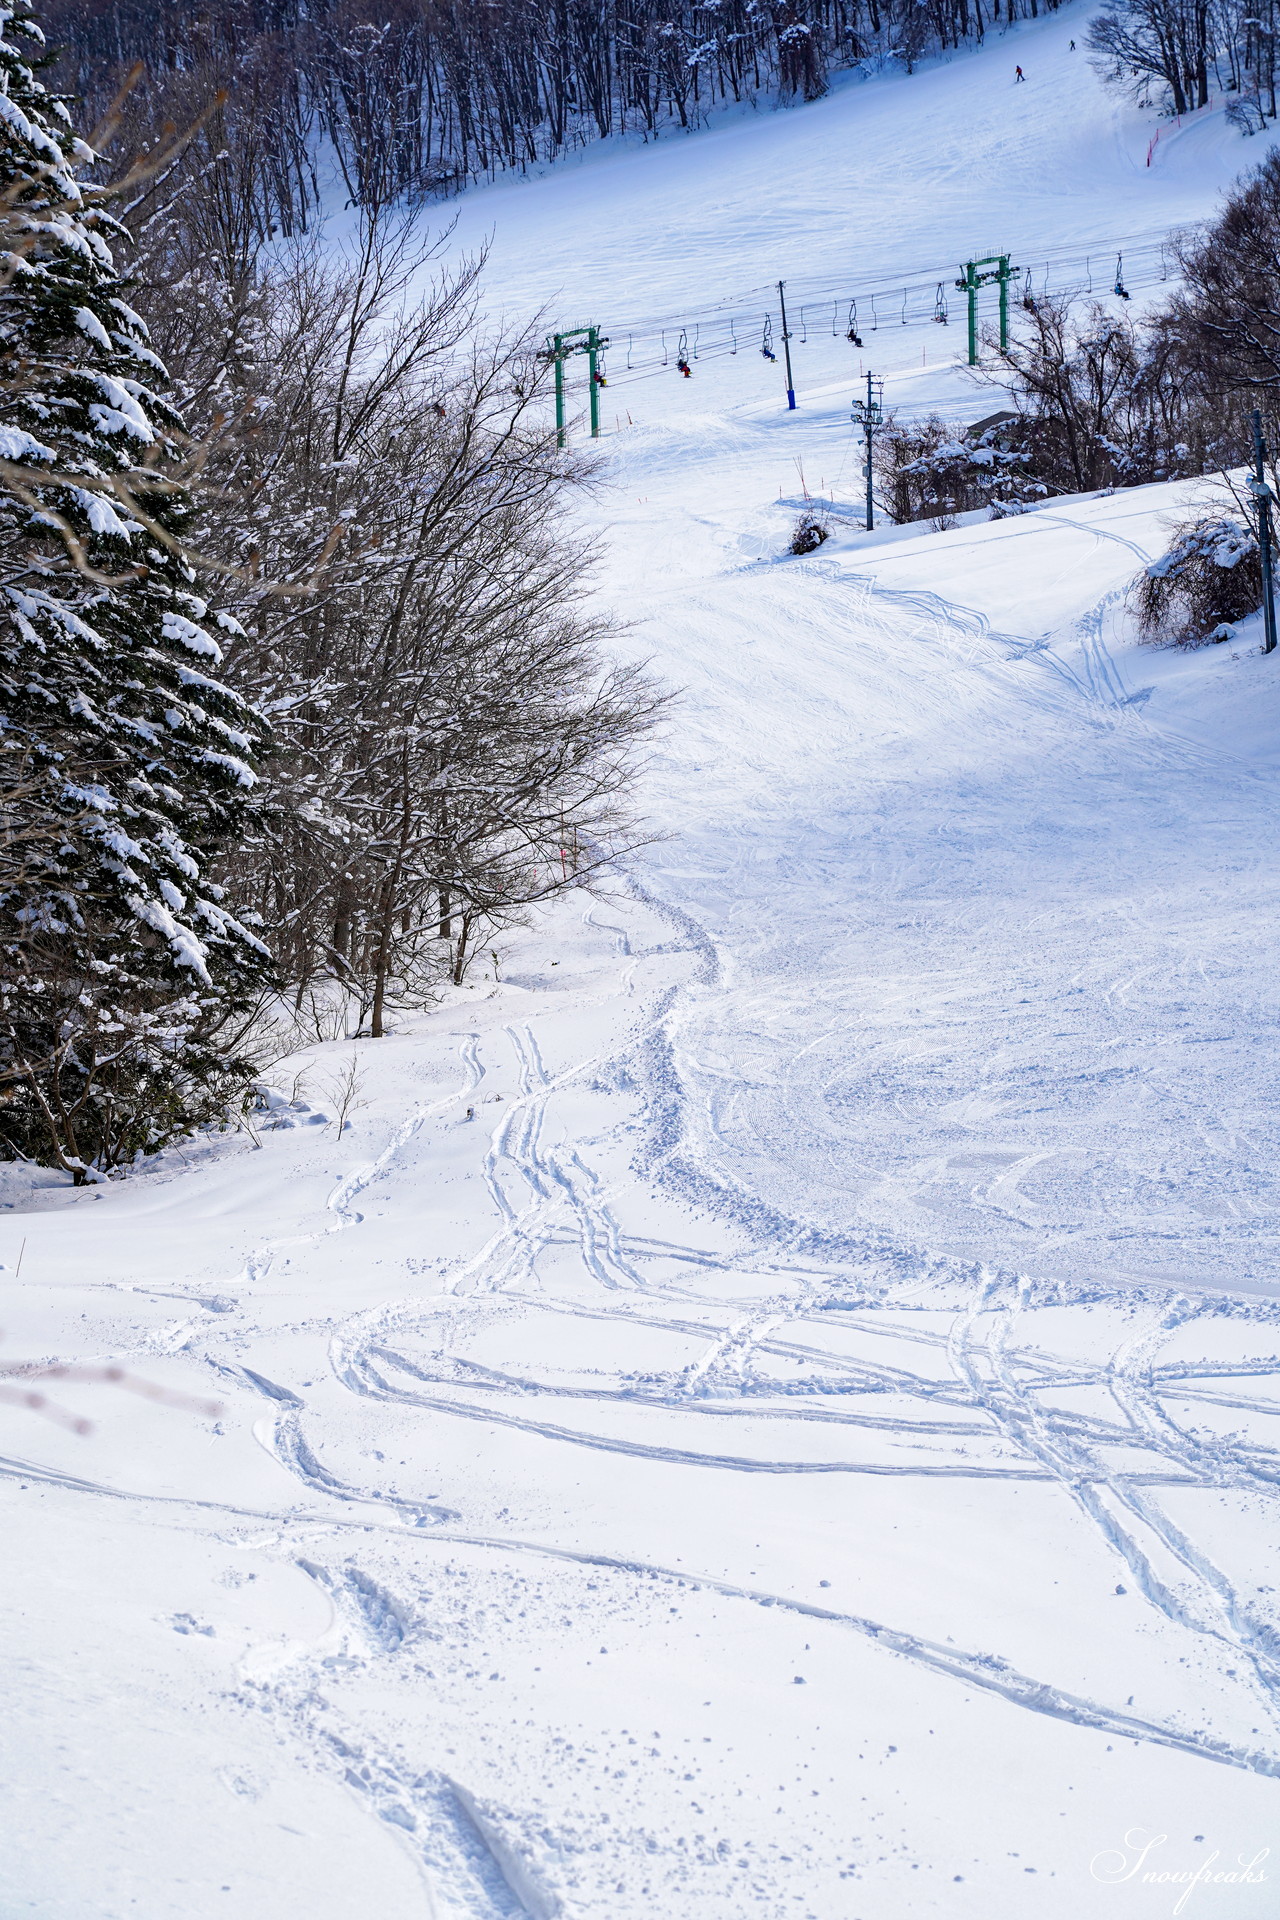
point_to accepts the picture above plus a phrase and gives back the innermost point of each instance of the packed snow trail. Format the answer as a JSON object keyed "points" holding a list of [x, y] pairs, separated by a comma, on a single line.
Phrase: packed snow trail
{"points": [[987, 1077], [670, 1327], [770, 1408]]}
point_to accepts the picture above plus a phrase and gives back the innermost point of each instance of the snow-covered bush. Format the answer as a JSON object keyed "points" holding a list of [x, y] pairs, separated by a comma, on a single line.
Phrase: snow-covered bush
{"points": [[933, 470], [1210, 577], [125, 762], [809, 532]]}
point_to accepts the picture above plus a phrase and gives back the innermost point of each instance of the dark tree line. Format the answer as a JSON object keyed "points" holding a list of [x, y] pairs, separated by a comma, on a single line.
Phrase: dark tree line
{"points": [[418, 97], [126, 757]]}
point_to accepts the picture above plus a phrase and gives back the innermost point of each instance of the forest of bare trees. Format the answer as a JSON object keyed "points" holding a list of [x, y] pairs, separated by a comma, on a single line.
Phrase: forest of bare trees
{"points": [[1174, 54], [414, 98]]}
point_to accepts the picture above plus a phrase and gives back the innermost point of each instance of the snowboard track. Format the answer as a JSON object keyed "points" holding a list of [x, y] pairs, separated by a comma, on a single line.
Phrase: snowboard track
{"points": [[788, 1332]]}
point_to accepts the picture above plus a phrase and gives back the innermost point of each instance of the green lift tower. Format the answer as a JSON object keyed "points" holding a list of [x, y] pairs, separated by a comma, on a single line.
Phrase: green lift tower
{"points": [[972, 277], [560, 347]]}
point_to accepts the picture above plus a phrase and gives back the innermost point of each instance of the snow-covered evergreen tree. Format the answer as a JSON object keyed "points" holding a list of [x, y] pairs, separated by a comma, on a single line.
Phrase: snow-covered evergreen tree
{"points": [[125, 765]]}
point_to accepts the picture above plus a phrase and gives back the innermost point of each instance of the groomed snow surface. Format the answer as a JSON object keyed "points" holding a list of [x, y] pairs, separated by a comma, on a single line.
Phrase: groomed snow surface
{"points": [[768, 1409]]}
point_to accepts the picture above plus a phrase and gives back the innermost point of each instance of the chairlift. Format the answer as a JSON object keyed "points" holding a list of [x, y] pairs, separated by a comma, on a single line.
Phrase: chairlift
{"points": [[682, 355], [734, 338], [628, 353], [1122, 292], [940, 306], [835, 316], [852, 335], [874, 321], [697, 331], [904, 306], [804, 331], [665, 361], [766, 344]]}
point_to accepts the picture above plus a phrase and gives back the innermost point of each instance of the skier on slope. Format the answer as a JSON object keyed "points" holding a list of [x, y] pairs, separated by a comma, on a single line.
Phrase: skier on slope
{"points": [[1018, 75]]}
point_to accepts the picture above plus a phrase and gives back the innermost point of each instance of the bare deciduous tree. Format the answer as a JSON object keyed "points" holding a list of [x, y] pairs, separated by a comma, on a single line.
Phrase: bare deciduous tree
{"points": [[453, 745]]}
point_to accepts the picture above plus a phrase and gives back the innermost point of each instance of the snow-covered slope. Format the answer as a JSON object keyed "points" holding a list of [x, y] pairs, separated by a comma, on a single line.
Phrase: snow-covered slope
{"points": [[883, 184], [769, 1407]]}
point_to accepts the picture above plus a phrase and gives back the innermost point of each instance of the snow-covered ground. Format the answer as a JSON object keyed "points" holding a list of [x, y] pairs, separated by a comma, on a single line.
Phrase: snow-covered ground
{"points": [[769, 1407]]}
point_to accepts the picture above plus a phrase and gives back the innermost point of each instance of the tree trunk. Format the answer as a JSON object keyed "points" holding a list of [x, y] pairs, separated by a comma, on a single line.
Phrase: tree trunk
{"points": [[460, 953]]}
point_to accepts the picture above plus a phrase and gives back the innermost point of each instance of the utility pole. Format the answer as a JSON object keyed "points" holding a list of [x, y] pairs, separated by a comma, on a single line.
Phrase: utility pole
{"points": [[971, 279], [1263, 498], [786, 346], [869, 415], [560, 346]]}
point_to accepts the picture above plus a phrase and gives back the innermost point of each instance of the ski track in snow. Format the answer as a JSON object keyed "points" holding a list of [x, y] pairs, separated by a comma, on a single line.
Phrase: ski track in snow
{"points": [[984, 1404], [816, 1351]]}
